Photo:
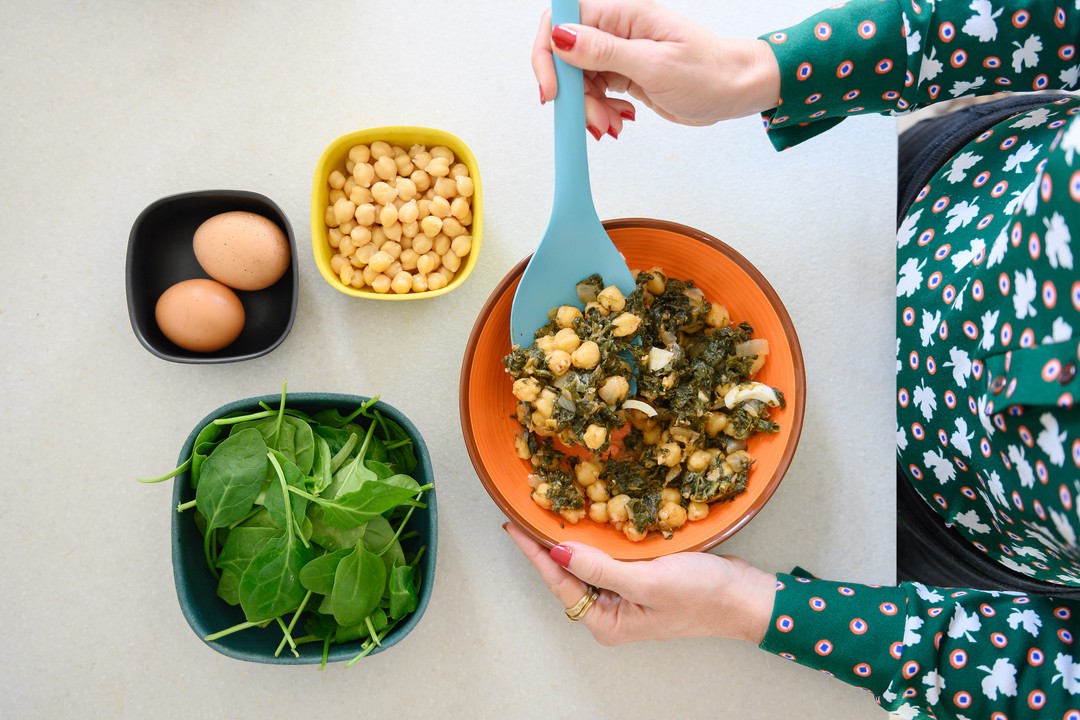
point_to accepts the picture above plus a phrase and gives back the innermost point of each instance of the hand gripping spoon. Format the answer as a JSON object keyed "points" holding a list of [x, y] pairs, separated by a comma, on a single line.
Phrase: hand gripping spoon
{"points": [[575, 244]]}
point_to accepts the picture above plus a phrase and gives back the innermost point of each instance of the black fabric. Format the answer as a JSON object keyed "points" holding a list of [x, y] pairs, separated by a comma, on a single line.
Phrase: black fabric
{"points": [[927, 550]]}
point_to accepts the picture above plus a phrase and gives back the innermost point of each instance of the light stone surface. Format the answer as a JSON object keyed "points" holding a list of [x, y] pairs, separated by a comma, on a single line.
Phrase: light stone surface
{"points": [[106, 107]]}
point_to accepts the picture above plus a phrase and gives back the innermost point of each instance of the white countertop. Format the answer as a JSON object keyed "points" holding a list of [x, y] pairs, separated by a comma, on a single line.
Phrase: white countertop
{"points": [[106, 107]]}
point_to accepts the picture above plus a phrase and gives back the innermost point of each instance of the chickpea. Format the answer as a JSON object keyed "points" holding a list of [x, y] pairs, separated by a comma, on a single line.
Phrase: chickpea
{"points": [[425, 264], [697, 511], [521, 446], [465, 186], [598, 492], [540, 495], [587, 355], [595, 306], [461, 245], [698, 461], [346, 274], [386, 168], [565, 316], [441, 151], [388, 215], [558, 362], [402, 282], [612, 299], [336, 195], [369, 275], [651, 435], [346, 246], [360, 235], [594, 437], [328, 217], [381, 149], [410, 230], [381, 284], [527, 389], [572, 515], [365, 214], [343, 210], [632, 532], [383, 193], [567, 340], [669, 495], [440, 208], [718, 316], [451, 262], [441, 244], [436, 281], [672, 516], [408, 212], [408, 259], [657, 283], [625, 324], [337, 262], [669, 454], [452, 227], [422, 244], [617, 510], [545, 404], [363, 254], [431, 225], [614, 389], [378, 235], [347, 227], [404, 165], [459, 208], [394, 269], [359, 153], [364, 174], [360, 195], [380, 261], [419, 283], [438, 167], [421, 180], [715, 422], [598, 512], [445, 188], [334, 237], [587, 472]]}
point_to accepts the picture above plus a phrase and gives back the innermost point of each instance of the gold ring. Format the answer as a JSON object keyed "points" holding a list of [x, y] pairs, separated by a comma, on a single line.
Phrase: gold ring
{"points": [[578, 611]]}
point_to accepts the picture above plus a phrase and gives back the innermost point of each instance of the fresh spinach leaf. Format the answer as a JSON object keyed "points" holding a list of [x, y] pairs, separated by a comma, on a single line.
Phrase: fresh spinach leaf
{"points": [[270, 587], [332, 538], [241, 546], [318, 575], [358, 585], [232, 478], [403, 594], [273, 498]]}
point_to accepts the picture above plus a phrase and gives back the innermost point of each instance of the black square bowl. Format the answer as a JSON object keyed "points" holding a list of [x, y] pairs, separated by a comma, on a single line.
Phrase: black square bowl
{"points": [[160, 254]]}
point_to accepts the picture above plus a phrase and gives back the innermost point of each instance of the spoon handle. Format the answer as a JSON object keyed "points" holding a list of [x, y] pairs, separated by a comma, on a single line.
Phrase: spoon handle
{"points": [[573, 196]]}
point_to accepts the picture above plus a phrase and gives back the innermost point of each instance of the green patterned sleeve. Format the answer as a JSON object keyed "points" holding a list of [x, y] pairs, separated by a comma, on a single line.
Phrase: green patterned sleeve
{"points": [[893, 56], [928, 652]]}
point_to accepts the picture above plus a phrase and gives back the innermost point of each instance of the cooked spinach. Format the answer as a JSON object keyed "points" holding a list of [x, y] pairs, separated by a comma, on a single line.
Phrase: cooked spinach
{"points": [[302, 519]]}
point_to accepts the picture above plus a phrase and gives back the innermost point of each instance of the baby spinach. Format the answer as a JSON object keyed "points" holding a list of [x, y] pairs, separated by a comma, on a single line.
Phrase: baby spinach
{"points": [[303, 518]]}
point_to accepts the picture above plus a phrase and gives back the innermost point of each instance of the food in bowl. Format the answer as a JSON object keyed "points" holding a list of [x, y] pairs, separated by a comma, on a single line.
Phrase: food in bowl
{"points": [[399, 221], [302, 519], [656, 459], [243, 250], [200, 315]]}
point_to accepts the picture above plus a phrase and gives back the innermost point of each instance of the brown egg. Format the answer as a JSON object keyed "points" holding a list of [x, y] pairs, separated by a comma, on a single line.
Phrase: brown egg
{"points": [[200, 315], [242, 250]]}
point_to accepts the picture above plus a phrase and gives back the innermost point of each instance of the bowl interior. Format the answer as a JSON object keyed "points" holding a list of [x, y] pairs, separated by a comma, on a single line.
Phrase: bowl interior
{"points": [[334, 157], [196, 588], [488, 406], [160, 254]]}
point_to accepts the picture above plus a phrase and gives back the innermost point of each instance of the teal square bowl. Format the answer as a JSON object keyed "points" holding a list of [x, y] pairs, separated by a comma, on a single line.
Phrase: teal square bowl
{"points": [[196, 588]]}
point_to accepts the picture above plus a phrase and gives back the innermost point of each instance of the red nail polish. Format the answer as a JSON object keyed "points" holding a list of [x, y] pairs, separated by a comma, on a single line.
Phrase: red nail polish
{"points": [[542, 98], [562, 554], [563, 37], [595, 133], [505, 526], [613, 132], [630, 114]]}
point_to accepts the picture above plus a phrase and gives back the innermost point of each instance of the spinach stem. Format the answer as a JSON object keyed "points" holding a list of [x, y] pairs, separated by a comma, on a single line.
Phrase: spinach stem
{"points": [[399, 443], [300, 532], [368, 647], [284, 492], [185, 506], [179, 469], [398, 533], [229, 631], [292, 624], [344, 453], [288, 637], [280, 416], [325, 651], [362, 410], [371, 631], [208, 538], [303, 494], [244, 418]]}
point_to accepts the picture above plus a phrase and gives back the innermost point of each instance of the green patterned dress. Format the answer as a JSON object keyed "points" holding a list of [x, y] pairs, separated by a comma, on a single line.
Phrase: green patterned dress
{"points": [[988, 323]]}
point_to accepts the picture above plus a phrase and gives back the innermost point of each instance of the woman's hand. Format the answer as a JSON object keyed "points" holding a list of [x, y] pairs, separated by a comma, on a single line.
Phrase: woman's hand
{"points": [[678, 68], [683, 595]]}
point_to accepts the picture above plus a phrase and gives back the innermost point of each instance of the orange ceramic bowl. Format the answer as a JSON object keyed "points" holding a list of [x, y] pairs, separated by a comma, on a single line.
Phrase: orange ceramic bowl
{"points": [[727, 278]]}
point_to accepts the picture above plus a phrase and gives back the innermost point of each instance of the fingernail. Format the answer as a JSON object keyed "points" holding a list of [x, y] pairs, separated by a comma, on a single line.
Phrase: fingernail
{"points": [[542, 98], [562, 554], [563, 37], [595, 133], [630, 114], [505, 526], [613, 132]]}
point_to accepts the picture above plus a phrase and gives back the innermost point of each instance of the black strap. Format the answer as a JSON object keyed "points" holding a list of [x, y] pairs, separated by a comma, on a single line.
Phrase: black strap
{"points": [[927, 550]]}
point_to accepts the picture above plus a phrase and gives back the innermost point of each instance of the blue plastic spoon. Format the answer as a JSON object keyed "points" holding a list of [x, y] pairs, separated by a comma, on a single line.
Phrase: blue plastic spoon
{"points": [[575, 244]]}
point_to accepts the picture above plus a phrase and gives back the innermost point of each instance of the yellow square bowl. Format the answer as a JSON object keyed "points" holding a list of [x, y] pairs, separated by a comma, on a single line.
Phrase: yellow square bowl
{"points": [[334, 158]]}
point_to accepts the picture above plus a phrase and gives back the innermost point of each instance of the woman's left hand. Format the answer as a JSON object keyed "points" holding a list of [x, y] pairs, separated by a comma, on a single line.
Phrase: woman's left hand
{"points": [[682, 595]]}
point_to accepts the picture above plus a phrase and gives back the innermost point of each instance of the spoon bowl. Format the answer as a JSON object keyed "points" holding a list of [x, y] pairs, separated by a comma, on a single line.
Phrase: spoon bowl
{"points": [[575, 245]]}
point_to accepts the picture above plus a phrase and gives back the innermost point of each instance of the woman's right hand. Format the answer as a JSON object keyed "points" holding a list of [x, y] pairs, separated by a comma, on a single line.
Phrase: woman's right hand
{"points": [[678, 68]]}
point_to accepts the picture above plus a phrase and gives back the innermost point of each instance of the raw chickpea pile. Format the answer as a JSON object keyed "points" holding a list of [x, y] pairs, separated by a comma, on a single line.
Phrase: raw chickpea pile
{"points": [[399, 221], [657, 460]]}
